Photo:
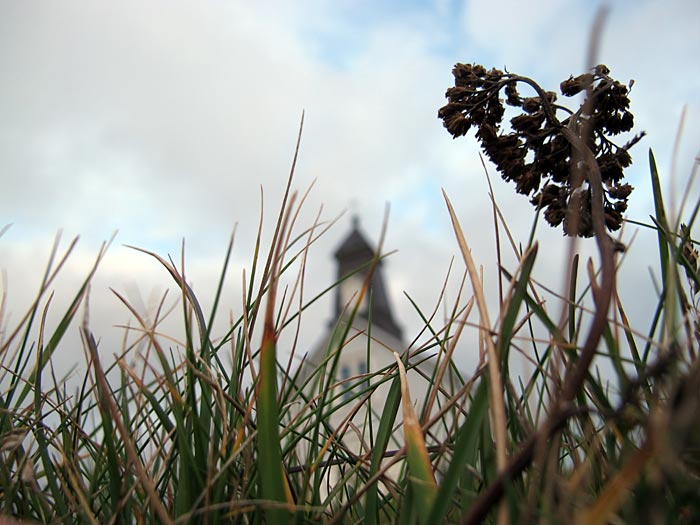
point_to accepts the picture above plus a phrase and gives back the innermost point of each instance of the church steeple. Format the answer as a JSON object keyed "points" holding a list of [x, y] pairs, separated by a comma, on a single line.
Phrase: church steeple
{"points": [[352, 254]]}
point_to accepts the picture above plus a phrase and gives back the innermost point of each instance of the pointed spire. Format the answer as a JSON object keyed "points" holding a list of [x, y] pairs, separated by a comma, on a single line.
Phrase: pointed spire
{"points": [[355, 253]]}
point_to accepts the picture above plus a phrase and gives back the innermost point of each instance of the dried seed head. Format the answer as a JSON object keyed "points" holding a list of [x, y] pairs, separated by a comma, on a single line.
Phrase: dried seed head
{"points": [[572, 86], [512, 95], [532, 104], [535, 151]]}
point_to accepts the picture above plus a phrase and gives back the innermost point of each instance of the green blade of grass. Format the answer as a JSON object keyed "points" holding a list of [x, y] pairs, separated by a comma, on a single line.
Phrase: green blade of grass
{"points": [[572, 298], [273, 480], [51, 476], [386, 423], [515, 299], [269, 451], [465, 453], [660, 216], [541, 314], [219, 289]]}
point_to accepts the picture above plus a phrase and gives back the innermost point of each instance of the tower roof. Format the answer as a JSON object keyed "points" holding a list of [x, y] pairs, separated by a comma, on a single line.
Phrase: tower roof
{"points": [[353, 256], [355, 246]]}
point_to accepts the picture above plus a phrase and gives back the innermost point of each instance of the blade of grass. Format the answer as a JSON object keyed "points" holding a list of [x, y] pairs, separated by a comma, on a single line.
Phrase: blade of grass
{"points": [[465, 453], [660, 218], [386, 423], [273, 484], [572, 297], [51, 476], [105, 397], [496, 384], [515, 297], [420, 469]]}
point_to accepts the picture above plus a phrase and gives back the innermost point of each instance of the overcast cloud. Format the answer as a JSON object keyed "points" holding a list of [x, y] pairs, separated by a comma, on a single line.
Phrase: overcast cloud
{"points": [[164, 119]]}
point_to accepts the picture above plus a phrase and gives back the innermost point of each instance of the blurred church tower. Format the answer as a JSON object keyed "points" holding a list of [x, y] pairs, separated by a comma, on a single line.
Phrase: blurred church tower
{"points": [[354, 259], [357, 352], [374, 333]]}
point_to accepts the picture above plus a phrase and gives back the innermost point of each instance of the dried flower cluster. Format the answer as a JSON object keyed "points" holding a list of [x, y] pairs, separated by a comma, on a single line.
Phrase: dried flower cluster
{"points": [[535, 154]]}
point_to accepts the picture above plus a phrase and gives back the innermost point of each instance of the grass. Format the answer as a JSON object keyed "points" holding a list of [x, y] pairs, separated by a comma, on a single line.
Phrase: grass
{"points": [[219, 430]]}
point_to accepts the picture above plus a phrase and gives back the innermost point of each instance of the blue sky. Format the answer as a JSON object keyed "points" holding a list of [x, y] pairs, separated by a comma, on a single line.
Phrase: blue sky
{"points": [[163, 119]]}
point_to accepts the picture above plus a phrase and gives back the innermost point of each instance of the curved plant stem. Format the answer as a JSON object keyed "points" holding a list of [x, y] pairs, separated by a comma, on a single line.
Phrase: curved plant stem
{"points": [[602, 295]]}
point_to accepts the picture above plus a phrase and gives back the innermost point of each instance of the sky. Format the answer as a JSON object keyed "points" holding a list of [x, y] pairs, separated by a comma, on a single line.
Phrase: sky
{"points": [[163, 120]]}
